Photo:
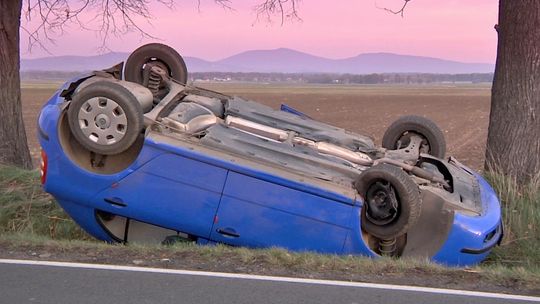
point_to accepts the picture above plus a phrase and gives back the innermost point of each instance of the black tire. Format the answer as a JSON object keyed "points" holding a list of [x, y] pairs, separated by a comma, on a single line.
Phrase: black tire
{"points": [[155, 52], [125, 106], [434, 137], [406, 195]]}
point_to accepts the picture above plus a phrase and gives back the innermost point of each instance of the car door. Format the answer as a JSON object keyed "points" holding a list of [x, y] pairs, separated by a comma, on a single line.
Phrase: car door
{"points": [[170, 191], [258, 213]]}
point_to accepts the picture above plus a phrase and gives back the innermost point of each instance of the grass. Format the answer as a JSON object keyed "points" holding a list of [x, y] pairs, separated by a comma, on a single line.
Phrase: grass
{"points": [[29, 218], [521, 216], [25, 208]]}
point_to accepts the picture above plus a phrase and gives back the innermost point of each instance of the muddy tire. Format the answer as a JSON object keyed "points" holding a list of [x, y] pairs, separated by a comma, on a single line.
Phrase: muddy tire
{"points": [[105, 118], [392, 201], [433, 142], [155, 53]]}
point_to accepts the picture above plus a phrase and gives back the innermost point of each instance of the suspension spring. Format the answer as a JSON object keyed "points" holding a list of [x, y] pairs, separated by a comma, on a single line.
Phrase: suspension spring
{"points": [[154, 81], [388, 247]]}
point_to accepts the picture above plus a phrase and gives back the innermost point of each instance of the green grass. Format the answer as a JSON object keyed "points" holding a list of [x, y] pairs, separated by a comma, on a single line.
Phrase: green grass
{"points": [[30, 217]]}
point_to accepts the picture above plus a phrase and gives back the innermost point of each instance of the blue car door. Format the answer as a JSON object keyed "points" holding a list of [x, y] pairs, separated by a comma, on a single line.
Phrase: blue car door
{"points": [[258, 213], [170, 191]]}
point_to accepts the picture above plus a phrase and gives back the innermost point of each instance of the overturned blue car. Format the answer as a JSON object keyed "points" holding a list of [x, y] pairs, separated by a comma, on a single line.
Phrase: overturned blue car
{"points": [[135, 154]]}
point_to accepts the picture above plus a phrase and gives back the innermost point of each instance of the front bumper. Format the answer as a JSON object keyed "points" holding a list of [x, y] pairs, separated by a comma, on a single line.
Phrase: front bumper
{"points": [[471, 238]]}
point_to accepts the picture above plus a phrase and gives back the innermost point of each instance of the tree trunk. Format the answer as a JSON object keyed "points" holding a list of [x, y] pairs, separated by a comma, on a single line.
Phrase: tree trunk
{"points": [[13, 144], [513, 145]]}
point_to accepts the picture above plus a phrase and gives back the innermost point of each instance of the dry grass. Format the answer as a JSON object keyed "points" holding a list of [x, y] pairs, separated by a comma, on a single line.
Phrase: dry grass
{"points": [[25, 208], [521, 215]]}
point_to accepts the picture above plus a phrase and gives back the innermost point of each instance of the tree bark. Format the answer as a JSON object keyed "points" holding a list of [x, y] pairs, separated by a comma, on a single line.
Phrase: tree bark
{"points": [[513, 145], [13, 144]]}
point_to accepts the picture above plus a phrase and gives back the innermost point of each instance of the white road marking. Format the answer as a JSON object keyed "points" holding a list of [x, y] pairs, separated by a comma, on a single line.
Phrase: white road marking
{"points": [[454, 292]]}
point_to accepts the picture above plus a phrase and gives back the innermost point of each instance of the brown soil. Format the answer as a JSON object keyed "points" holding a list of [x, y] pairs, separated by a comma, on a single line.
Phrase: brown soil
{"points": [[462, 112]]}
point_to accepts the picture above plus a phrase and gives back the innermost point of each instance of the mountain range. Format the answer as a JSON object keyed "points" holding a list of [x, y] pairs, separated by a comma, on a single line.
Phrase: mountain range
{"points": [[280, 60]]}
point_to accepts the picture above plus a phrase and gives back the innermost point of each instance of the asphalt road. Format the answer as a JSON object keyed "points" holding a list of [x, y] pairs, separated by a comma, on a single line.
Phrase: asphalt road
{"points": [[53, 284]]}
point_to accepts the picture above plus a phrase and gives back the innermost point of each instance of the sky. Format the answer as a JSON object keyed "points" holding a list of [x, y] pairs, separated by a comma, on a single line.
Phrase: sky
{"points": [[459, 30]]}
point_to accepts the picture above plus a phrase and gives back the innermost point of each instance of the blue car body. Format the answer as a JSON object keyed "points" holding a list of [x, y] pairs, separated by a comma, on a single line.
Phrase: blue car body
{"points": [[214, 197]]}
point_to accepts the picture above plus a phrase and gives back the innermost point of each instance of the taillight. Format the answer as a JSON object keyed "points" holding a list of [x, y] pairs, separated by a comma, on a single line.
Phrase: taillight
{"points": [[43, 167]]}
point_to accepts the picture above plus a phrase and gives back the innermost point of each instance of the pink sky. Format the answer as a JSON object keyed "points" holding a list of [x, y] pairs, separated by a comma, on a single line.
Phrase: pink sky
{"points": [[453, 29]]}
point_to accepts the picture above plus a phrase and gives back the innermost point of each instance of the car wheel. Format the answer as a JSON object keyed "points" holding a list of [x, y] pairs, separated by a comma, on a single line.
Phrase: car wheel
{"points": [[155, 54], [105, 118], [392, 201], [397, 136]]}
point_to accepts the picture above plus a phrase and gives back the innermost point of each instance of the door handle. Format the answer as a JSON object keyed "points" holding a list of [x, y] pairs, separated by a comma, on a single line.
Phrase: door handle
{"points": [[228, 232], [115, 201]]}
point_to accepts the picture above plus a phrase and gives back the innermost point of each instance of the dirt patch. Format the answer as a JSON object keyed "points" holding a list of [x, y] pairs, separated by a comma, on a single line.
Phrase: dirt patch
{"points": [[269, 262]]}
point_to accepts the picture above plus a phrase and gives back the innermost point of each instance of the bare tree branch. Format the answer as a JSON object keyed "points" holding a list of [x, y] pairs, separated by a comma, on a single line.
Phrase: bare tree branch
{"points": [[285, 9], [53, 17], [396, 12], [47, 19]]}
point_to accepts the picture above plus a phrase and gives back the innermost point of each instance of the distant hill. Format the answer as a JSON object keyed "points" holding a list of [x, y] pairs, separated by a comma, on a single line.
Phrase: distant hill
{"points": [[277, 61], [394, 63], [72, 63], [89, 63]]}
